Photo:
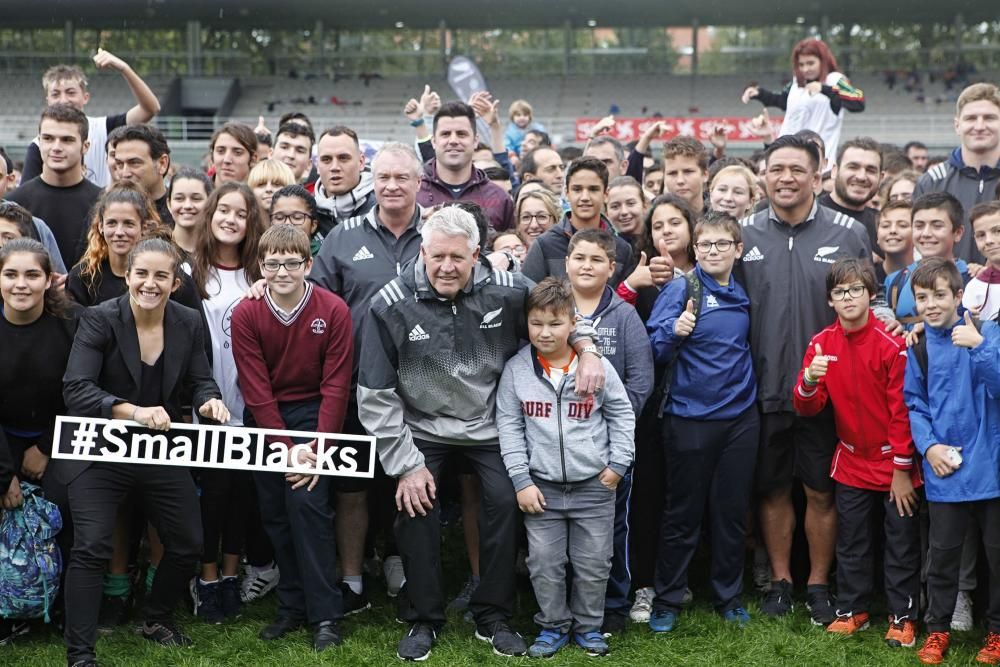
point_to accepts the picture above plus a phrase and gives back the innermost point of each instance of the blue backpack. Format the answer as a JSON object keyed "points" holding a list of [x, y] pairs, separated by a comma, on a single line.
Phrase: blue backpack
{"points": [[30, 560]]}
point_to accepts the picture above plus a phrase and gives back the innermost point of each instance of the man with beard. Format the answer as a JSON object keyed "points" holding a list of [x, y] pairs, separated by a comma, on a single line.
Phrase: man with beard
{"points": [[856, 177], [916, 153]]}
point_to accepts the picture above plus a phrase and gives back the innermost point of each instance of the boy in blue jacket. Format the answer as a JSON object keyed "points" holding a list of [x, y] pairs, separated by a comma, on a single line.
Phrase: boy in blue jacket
{"points": [[711, 425], [565, 456], [952, 389], [621, 338]]}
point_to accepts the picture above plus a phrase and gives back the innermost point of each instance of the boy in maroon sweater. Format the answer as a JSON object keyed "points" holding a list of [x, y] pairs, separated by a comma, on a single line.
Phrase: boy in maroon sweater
{"points": [[293, 351]]}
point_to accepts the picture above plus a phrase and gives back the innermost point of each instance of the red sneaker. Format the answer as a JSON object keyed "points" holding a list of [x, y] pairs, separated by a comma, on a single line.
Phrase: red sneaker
{"points": [[848, 625], [934, 648], [990, 653], [902, 632]]}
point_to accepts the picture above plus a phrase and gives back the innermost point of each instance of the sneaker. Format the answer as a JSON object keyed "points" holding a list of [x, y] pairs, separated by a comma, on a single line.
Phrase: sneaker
{"points": [[642, 606], [395, 577], [934, 649], [505, 641], [416, 645], [737, 615], [820, 606], [11, 628], [86, 662], [592, 642], [229, 597], [547, 643], [761, 569], [848, 624], [990, 653], [165, 634], [354, 603], [961, 618], [325, 635], [207, 604], [778, 600], [615, 623], [902, 633], [461, 602], [114, 613], [279, 627], [258, 582], [662, 621]]}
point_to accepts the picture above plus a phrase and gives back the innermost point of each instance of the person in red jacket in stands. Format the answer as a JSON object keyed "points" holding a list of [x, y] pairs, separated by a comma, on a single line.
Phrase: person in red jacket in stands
{"points": [[858, 367]]}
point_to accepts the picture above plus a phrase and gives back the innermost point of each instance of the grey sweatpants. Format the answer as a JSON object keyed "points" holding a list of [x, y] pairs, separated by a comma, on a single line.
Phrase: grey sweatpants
{"points": [[577, 526]]}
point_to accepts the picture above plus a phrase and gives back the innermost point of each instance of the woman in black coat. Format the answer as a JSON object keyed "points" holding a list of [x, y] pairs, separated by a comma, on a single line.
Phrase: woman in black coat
{"points": [[131, 359]]}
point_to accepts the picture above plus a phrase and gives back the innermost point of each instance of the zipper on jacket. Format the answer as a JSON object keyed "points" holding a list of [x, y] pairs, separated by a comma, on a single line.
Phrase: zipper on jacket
{"points": [[454, 309], [981, 184], [562, 445], [791, 239]]}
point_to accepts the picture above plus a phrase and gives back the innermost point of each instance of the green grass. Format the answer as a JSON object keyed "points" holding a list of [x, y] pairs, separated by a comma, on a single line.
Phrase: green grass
{"points": [[701, 638]]}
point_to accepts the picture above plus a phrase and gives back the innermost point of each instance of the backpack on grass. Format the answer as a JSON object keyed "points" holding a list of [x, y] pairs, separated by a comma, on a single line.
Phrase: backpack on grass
{"points": [[30, 560]]}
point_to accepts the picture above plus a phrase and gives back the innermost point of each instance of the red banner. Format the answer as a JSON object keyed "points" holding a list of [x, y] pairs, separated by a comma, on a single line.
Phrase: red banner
{"points": [[630, 129]]}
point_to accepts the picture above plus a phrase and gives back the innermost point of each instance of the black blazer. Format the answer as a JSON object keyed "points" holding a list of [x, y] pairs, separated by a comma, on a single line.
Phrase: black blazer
{"points": [[105, 369]]}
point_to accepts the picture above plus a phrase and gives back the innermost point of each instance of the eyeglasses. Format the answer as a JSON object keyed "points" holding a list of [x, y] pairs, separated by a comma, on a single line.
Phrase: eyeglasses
{"points": [[272, 266], [296, 218], [839, 293], [542, 218], [721, 246]]}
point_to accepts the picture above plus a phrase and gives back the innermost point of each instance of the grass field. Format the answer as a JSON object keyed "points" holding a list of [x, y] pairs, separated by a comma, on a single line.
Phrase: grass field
{"points": [[701, 638]]}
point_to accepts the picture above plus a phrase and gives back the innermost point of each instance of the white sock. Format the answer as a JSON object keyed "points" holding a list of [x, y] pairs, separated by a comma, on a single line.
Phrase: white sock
{"points": [[354, 583]]}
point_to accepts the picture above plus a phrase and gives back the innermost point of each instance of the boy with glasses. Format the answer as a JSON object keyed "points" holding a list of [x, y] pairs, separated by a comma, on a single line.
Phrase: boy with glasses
{"points": [[294, 351], [858, 368]]}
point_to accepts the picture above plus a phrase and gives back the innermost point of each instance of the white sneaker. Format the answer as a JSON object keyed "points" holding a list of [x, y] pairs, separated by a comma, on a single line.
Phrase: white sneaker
{"points": [[643, 605], [258, 582], [961, 618], [395, 576]]}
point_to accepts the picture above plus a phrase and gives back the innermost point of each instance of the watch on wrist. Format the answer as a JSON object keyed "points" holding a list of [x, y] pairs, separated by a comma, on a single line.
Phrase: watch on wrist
{"points": [[593, 350]]}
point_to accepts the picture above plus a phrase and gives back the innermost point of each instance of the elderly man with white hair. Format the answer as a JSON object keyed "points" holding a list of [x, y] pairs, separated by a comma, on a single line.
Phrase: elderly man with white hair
{"points": [[434, 344]]}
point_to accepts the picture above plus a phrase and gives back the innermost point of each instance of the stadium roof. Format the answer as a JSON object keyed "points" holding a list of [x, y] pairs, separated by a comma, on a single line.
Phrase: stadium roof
{"points": [[480, 14]]}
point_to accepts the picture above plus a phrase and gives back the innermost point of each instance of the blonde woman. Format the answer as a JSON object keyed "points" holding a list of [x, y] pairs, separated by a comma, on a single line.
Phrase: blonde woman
{"points": [[534, 213], [268, 177], [733, 191]]}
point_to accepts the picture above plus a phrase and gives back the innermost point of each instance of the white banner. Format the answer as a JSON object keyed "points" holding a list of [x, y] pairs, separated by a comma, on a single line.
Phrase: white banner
{"points": [[207, 446]]}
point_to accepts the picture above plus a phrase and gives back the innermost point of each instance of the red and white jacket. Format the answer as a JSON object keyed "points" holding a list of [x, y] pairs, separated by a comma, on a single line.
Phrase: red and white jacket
{"points": [[864, 381]]}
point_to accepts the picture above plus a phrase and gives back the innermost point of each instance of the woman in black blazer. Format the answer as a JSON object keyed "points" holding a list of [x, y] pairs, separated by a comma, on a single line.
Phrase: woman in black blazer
{"points": [[131, 359]]}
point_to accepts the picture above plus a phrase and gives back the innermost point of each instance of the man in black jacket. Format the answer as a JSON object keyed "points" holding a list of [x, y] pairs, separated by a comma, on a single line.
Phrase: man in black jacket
{"points": [[788, 250]]}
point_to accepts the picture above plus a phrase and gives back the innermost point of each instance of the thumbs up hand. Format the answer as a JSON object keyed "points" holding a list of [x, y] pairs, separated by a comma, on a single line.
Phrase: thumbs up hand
{"points": [[641, 276], [661, 268], [818, 366], [684, 324], [966, 335]]}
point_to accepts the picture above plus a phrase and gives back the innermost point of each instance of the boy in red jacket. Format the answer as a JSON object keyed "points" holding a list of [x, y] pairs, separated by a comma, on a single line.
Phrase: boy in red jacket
{"points": [[859, 368], [294, 352]]}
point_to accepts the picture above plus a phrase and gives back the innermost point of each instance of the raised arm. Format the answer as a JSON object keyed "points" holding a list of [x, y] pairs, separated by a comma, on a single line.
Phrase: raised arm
{"points": [[147, 105]]}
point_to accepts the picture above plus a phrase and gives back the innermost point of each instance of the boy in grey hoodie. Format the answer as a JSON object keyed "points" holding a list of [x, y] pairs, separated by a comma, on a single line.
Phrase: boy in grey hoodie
{"points": [[565, 457]]}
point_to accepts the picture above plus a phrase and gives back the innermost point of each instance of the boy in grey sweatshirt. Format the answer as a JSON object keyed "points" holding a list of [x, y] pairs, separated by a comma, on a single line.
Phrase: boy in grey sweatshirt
{"points": [[565, 456]]}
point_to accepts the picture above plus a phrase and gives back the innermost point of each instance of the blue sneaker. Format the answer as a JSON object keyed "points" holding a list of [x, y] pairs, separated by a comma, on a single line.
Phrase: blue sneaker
{"points": [[737, 615], [592, 642], [662, 621], [547, 643]]}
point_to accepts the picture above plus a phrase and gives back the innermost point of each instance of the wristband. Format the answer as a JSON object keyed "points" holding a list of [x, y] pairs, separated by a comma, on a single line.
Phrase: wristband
{"points": [[808, 379], [134, 413], [418, 122], [593, 350]]}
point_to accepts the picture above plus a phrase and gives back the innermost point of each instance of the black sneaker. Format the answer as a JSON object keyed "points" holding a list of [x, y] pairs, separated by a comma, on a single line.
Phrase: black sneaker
{"points": [[325, 635], [353, 602], [165, 634], [114, 613], [416, 645], [461, 601], [614, 624], [778, 601], [11, 628], [819, 604], [279, 627], [86, 662], [207, 606], [504, 641], [229, 597]]}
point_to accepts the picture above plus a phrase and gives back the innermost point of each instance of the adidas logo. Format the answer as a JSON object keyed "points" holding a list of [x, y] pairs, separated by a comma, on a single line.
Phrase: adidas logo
{"points": [[488, 318], [418, 333], [753, 255], [363, 253]]}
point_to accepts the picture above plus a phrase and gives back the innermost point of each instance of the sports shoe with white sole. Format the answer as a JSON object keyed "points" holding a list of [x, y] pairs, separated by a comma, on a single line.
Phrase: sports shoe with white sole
{"points": [[258, 582], [643, 605]]}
